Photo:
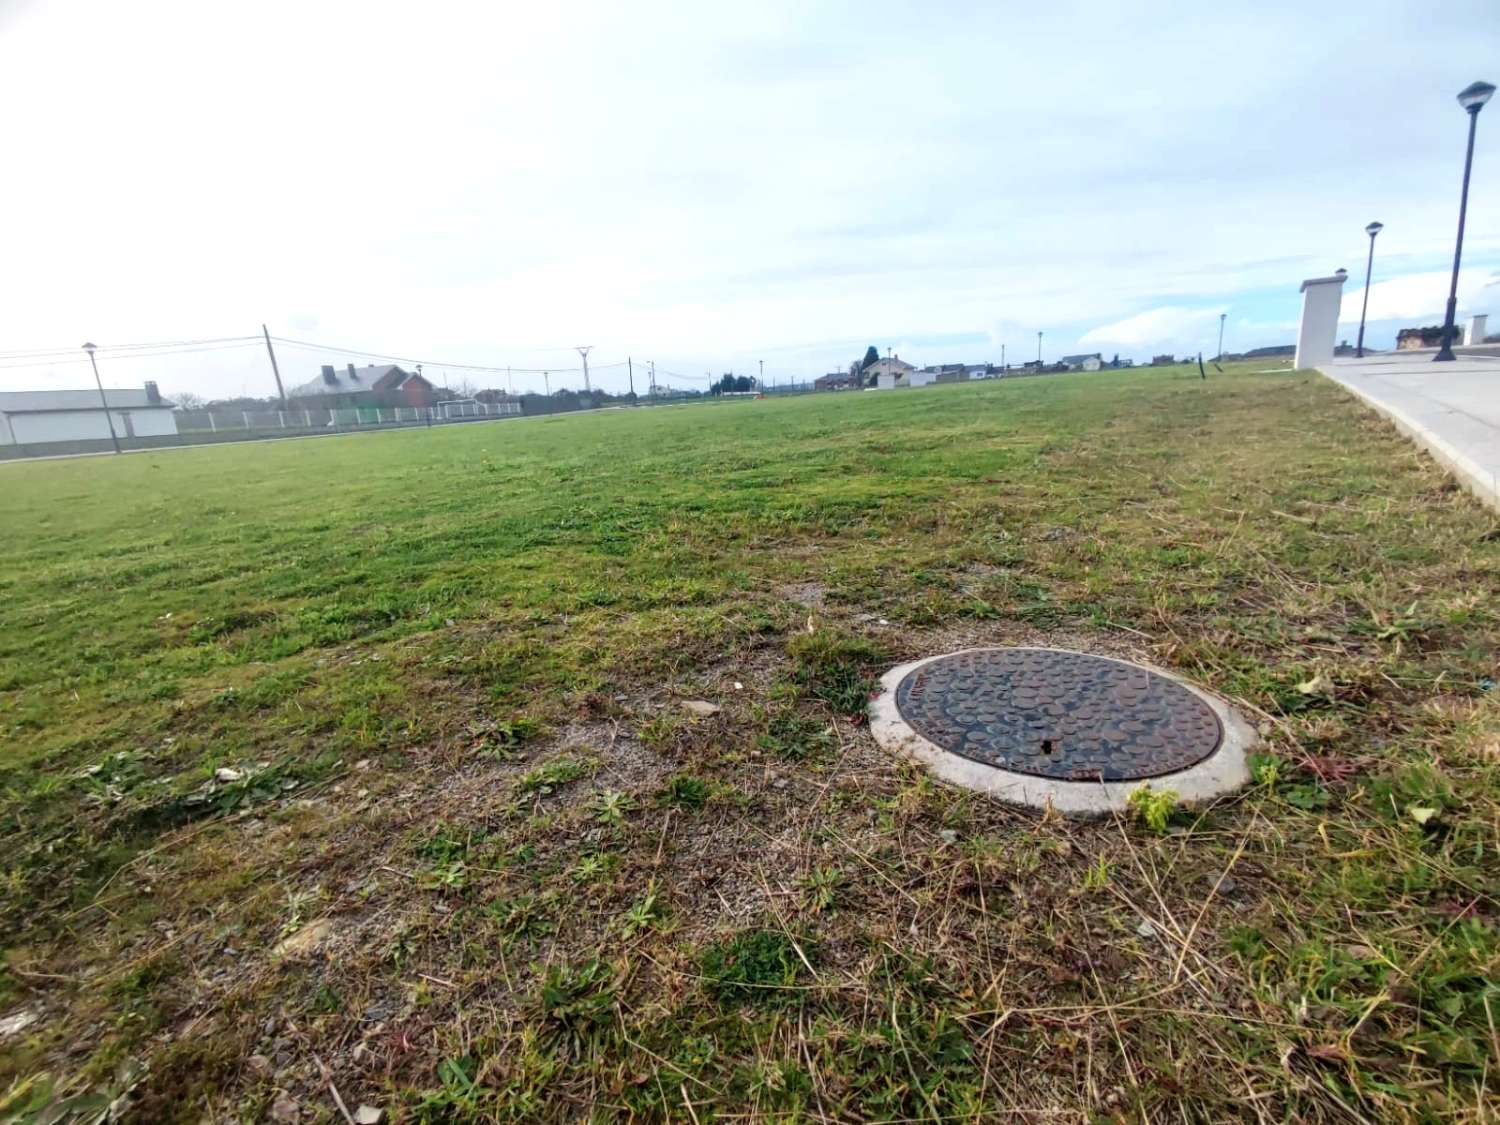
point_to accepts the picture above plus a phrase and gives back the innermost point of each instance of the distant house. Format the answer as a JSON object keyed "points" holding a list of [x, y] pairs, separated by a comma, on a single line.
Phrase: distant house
{"points": [[39, 417], [834, 381], [1091, 361], [891, 372], [1410, 339], [1163, 360], [376, 385]]}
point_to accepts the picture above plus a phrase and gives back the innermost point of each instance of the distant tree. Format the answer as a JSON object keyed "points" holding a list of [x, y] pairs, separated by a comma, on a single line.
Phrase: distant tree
{"points": [[871, 356], [187, 400], [743, 383], [726, 384], [1116, 361]]}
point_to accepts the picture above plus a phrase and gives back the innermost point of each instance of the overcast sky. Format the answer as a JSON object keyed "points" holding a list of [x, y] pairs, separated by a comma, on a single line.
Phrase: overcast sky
{"points": [[711, 185]]}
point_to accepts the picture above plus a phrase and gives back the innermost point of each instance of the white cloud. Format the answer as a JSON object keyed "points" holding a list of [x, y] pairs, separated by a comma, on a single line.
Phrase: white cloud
{"points": [[1423, 297], [1170, 327], [496, 183]]}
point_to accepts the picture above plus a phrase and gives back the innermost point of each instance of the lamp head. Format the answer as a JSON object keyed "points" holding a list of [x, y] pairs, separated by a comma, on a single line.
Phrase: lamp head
{"points": [[1473, 96], [89, 348], [1374, 228]]}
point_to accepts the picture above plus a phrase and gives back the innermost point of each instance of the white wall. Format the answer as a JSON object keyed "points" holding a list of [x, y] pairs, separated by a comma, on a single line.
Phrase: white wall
{"points": [[85, 425], [921, 378], [150, 423], [1320, 321]]}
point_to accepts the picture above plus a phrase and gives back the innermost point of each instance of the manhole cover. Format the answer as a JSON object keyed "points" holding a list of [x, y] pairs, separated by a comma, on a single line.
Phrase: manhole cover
{"points": [[1058, 714]]}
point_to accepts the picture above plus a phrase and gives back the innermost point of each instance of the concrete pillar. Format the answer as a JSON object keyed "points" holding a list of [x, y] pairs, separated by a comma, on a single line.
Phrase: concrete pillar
{"points": [[1476, 330], [1321, 297]]}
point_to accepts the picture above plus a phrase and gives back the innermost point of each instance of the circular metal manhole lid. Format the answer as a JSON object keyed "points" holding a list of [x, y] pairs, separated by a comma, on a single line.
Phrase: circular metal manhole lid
{"points": [[1058, 714]]}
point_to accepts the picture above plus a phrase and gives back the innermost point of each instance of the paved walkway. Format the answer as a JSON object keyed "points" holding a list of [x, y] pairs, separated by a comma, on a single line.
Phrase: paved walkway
{"points": [[1450, 409]]}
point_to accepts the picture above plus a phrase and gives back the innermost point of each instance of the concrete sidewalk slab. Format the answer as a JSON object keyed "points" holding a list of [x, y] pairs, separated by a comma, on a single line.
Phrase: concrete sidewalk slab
{"points": [[1452, 410]]}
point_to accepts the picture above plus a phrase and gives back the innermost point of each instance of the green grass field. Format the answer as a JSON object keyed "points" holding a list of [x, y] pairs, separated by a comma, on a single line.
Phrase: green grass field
{"points": [[358, 768]]}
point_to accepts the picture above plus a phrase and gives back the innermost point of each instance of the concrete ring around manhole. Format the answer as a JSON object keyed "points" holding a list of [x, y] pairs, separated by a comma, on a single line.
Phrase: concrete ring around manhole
{"points": [[1052, 727]]}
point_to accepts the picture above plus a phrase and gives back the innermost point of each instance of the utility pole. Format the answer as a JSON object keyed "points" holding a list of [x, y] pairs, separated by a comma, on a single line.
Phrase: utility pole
{"points": [[630, 370], [1002, 358], [510, 388], [761, 382], [114, 440], [547, 383], [1223, 315], [1039, 350], [653, 378], [276, 371], [584, 351]]}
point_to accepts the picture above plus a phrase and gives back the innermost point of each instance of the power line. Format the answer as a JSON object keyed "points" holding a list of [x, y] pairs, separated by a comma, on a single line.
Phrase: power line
{"points": [[428, 362], [132, 355], [127, 347]]}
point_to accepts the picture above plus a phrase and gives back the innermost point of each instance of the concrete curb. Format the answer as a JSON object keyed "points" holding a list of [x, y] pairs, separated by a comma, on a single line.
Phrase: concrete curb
{"points": [[1484, 484], [1222, 772]]}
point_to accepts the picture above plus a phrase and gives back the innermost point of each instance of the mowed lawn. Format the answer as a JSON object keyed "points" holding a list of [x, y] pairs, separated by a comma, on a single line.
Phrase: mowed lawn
{"points": [[357, 770]]}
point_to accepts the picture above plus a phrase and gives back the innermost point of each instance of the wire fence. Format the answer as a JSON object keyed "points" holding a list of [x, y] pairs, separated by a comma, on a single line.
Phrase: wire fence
{"points": [[335, 418], [207, 427]]}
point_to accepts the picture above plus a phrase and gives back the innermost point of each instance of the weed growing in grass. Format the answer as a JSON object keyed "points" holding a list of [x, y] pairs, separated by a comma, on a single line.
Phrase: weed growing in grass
{"points": [[1265, 769], [1152, 807], [820, 888], [1096, 878], [793, 738], [611, 806], [686, 792], [650, 913], [756, 967], [524, 915], [508, 735], [594, 868], [552, 775], [836, 668], [577, 1005]]}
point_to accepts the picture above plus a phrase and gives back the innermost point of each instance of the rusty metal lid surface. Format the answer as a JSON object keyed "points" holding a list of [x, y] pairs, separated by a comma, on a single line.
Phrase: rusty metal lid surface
{"points": [[1058, 714]]}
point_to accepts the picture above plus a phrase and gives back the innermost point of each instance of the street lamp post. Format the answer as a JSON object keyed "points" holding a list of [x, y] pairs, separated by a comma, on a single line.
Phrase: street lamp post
{"points": [[1039, 350], [1372, 230], [1472, 97], [1221, 334], [114, 440]]}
